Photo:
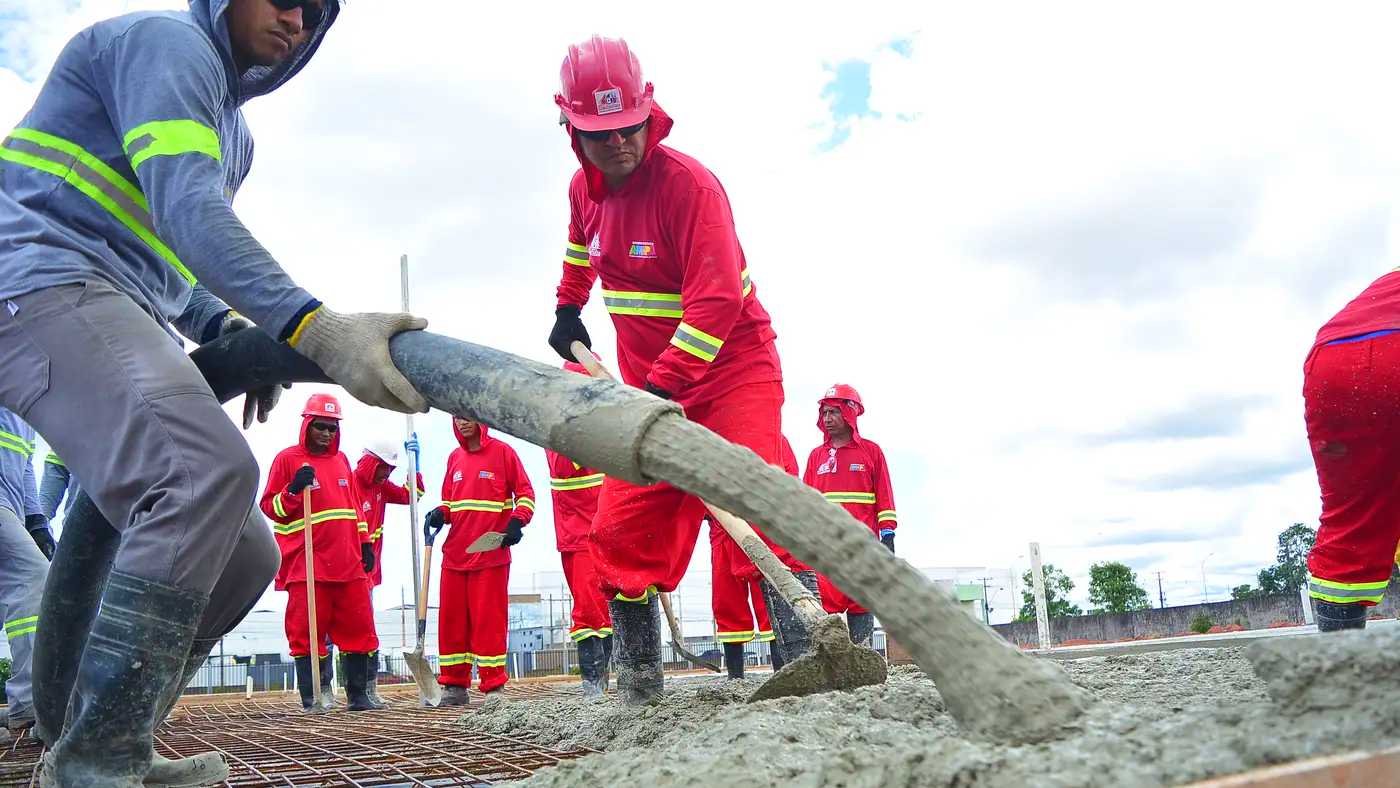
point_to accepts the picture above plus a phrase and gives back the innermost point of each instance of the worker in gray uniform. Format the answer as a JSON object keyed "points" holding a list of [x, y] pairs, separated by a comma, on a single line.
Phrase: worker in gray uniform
{"points": [[115, 200], [56, 486], [25, 544]]}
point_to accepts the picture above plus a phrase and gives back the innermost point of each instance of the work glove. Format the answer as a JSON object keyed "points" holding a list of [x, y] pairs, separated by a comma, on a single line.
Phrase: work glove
{"points": [[261, 402], [567, 328], [367, 556], [887, 539], [411, 446], [514, 531], [303, 479], [656, 390], [432, 525], [353, 350], [38, 527]]}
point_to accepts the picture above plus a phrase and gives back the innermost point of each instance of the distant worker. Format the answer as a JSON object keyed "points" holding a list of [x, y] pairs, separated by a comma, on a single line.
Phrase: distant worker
{"points": [[741, 617], [25, 546], [342, 556], [851, 470], [57, 486], [484, 489]]}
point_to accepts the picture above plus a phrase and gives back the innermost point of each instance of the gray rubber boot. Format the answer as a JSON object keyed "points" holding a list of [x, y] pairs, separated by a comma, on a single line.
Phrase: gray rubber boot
{"points": [[1336, 616], [637, 627], [356, 668], [372, 681], [135, 652], [327, 680], [453, 695], [734, 659], [605, 662], [862, 626], [590, 658]]}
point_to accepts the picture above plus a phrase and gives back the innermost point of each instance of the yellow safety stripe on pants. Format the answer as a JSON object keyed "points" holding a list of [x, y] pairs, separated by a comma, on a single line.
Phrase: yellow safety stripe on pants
{"points": [[765, 636], [16, 444], [1343, 593], [317, 518], [490, 662], [170, 138], [632, 302], [747, 283], [734, 637], [696, 342], [577, 482], [21, 626], [576, 255], [53, 459], [885, 515], [93, 177], [448, 660], [644, 598], [528, 503], [476, 505], [850, 497], [585, 632]]}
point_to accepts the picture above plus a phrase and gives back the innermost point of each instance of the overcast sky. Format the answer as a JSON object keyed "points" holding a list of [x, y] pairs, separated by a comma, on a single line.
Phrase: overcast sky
{"points": [[1071, 255]]}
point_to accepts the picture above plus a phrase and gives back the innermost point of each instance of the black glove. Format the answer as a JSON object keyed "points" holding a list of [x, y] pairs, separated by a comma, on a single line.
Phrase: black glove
{"points": [[432, 525], [261, 402], [305, 476], [656, 390], [514, 530], [367, 556], [888, 541], [567, 328], [38, 527]]}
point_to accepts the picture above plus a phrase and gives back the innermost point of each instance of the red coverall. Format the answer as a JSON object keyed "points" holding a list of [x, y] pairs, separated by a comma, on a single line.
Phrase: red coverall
{"points": [[856, 477], [481, 491], [1350, 381], [343, 609], [377, 497], [688, 321], [574, 492]]}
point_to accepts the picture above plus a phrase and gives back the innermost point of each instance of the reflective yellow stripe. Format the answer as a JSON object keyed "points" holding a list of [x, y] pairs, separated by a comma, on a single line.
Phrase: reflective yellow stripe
{"points": [[277, 507], [448, 660], [748, 284], [577, 482], [765, 636], [644, 598], [21, 626], [632, 302], [696, 342], [305, 321], [850, 497], [379, 532], [476, 505], [170, 138], [317, 518], [53, 459], [1343, 593], [93, 177], [16, 444], [362, 527], [576, 255], [525, 502], [584, 633], [490, 662], [885, 515], [734, 637]]}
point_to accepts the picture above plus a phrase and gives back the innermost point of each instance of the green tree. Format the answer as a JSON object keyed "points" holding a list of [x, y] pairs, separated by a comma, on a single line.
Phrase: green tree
{"points": [[1113, 588], [1290, 569], [1057, 588], [1243, 592]]}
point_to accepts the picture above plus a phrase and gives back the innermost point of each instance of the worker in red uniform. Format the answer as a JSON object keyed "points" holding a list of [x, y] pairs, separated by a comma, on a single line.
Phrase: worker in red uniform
{"points": [[340, 544], [372, 475], [850, 470], [573, 489], [730, 599], [484, 489], [656, 227], [1353, 419]]}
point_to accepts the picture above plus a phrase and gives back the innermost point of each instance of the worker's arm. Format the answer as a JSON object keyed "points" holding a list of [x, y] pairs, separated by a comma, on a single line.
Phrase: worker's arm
{"points": [[278, 502], [574, 285], [398, 493], [53, 485], [203, 318], [701, 231], [521, 488], [31, 492], [885, 516], [358, 498]]}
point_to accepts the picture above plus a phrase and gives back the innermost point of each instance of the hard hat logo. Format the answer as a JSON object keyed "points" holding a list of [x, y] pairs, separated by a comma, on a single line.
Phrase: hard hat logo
{"points": [[608, 101], [330, 407]]}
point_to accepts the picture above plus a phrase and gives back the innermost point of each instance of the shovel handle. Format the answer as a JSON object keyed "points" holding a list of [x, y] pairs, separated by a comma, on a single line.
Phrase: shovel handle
{"points": [[314, 652], [423, 597], [585, 357]]}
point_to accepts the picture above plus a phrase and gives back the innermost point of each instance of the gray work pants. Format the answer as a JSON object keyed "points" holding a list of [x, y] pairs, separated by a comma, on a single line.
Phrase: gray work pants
{"points": [[136, 423], [22, 572]]}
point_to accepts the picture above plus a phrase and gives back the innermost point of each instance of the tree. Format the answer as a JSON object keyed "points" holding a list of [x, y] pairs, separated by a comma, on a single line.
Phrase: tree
{"points": [[1243, 592], [1290, 570], [1113, 588], [1057, 588]]}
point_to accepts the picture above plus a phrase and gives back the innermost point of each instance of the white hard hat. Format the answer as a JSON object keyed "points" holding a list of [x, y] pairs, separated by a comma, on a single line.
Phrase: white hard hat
{"points": [[388, 451]]}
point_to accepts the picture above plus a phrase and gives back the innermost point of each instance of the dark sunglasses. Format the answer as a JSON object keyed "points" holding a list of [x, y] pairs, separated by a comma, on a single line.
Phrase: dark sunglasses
{"points": [[325, 426], [605, 134], [311, 12]]}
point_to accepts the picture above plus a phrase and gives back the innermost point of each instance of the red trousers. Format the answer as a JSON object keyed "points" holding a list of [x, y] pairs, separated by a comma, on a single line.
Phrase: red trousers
{"points": [[730, 596], [643, 536], [833, 600], [590, 613], [343, 613], [1351, 396], [472, 626]]}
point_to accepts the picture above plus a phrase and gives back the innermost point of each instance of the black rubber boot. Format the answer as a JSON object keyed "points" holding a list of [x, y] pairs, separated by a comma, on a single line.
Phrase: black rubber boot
{"points": [[208, 768], [327, 677], [308, 698], [356, 681], [775, 655], [136, 651], [734, 659], [1336, 616], [789, 632], [637, 627], [590, 658], [372, 680], [605, 662], [453, 695], [862, 626]]}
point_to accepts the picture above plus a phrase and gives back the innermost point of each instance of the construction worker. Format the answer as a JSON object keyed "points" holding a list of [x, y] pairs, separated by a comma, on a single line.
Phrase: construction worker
{"points": [[573, 489], [1353, 428], [25, 546], [372, 474], [850, 470], [342, 555], [485, 489], [56, 486], [115, 198], [791, 634], [730, 599], [656, 227]]}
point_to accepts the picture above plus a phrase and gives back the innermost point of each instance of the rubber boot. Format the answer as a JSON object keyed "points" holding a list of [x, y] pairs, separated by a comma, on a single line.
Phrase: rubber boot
{"points": [[590, 658], [862, 626], [136, 650], [206, 768], [788, 630], [637, 627], [372, 681], [356, 680], [453, 695], [327, 679], [734, 659], [308, 698], [1336, 616], [775, 655], [605, 662]]}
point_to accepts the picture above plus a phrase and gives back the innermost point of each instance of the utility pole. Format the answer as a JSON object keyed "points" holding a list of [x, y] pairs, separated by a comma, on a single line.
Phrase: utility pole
{"points": [[221, 663], [403, 624], [1042, 614], [1161, 595], [986, 611]]}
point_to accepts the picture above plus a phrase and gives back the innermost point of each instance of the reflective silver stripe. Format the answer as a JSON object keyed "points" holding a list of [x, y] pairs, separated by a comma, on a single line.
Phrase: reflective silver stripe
{"points": [[93, 177], [697, 342], [745, 282], [1349, 593], [139, 144], [575, 254], [652, 305]]}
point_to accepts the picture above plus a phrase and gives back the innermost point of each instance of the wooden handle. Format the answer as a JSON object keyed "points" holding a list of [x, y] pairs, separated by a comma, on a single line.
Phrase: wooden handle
{"points": [[427, 575], [585, 357], [312, 636]]}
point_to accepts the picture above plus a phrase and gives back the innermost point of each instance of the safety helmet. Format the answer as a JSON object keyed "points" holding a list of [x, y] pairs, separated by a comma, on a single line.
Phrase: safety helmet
{"points": [[324, 405], [601, 86], [386, 450], [846, 392]]}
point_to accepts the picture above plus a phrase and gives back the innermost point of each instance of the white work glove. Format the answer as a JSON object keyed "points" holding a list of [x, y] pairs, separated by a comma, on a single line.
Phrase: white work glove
{"points": [[261, 402], [354, 351]]}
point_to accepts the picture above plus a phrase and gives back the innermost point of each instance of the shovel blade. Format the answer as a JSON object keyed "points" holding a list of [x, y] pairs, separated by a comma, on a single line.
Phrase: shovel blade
{"points": [[832, 664], [429, 692], [487, 541]]}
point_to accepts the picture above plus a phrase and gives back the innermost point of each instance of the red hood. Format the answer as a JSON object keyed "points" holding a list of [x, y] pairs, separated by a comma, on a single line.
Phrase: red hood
{"points": [[657, 131], [462, 441], [305, 431], [365, 468], [848, 412]]}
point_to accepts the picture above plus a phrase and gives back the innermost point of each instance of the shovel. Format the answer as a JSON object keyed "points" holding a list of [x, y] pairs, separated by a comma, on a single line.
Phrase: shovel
{"points": [[429, 692], [491, 540], [677, 638], [312, 634], [833, 661]]}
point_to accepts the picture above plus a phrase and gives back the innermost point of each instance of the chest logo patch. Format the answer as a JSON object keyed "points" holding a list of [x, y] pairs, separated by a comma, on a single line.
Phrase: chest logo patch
{"points": [[643, 250], [364, 506], [343, 482], [830, 465], [485, 475], [595, 246], [457, 477], [857, 466], [608, 101]]}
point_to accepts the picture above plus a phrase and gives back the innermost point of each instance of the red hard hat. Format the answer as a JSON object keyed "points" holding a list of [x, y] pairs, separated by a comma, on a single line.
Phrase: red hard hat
{"points": [[601, 86], [323, 405], [846, 392]]}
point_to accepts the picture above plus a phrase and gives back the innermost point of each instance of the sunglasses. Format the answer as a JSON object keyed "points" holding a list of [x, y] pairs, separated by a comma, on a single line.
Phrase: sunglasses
{"points": [[324, 426], [605, 134], [312, 12]]}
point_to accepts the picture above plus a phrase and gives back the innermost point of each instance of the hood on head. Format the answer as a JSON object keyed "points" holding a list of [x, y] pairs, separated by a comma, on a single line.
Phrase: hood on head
{"points": [[657, 130], [367, 466], [211, 15], [848, 412], [306, 436], [462, 440]]}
